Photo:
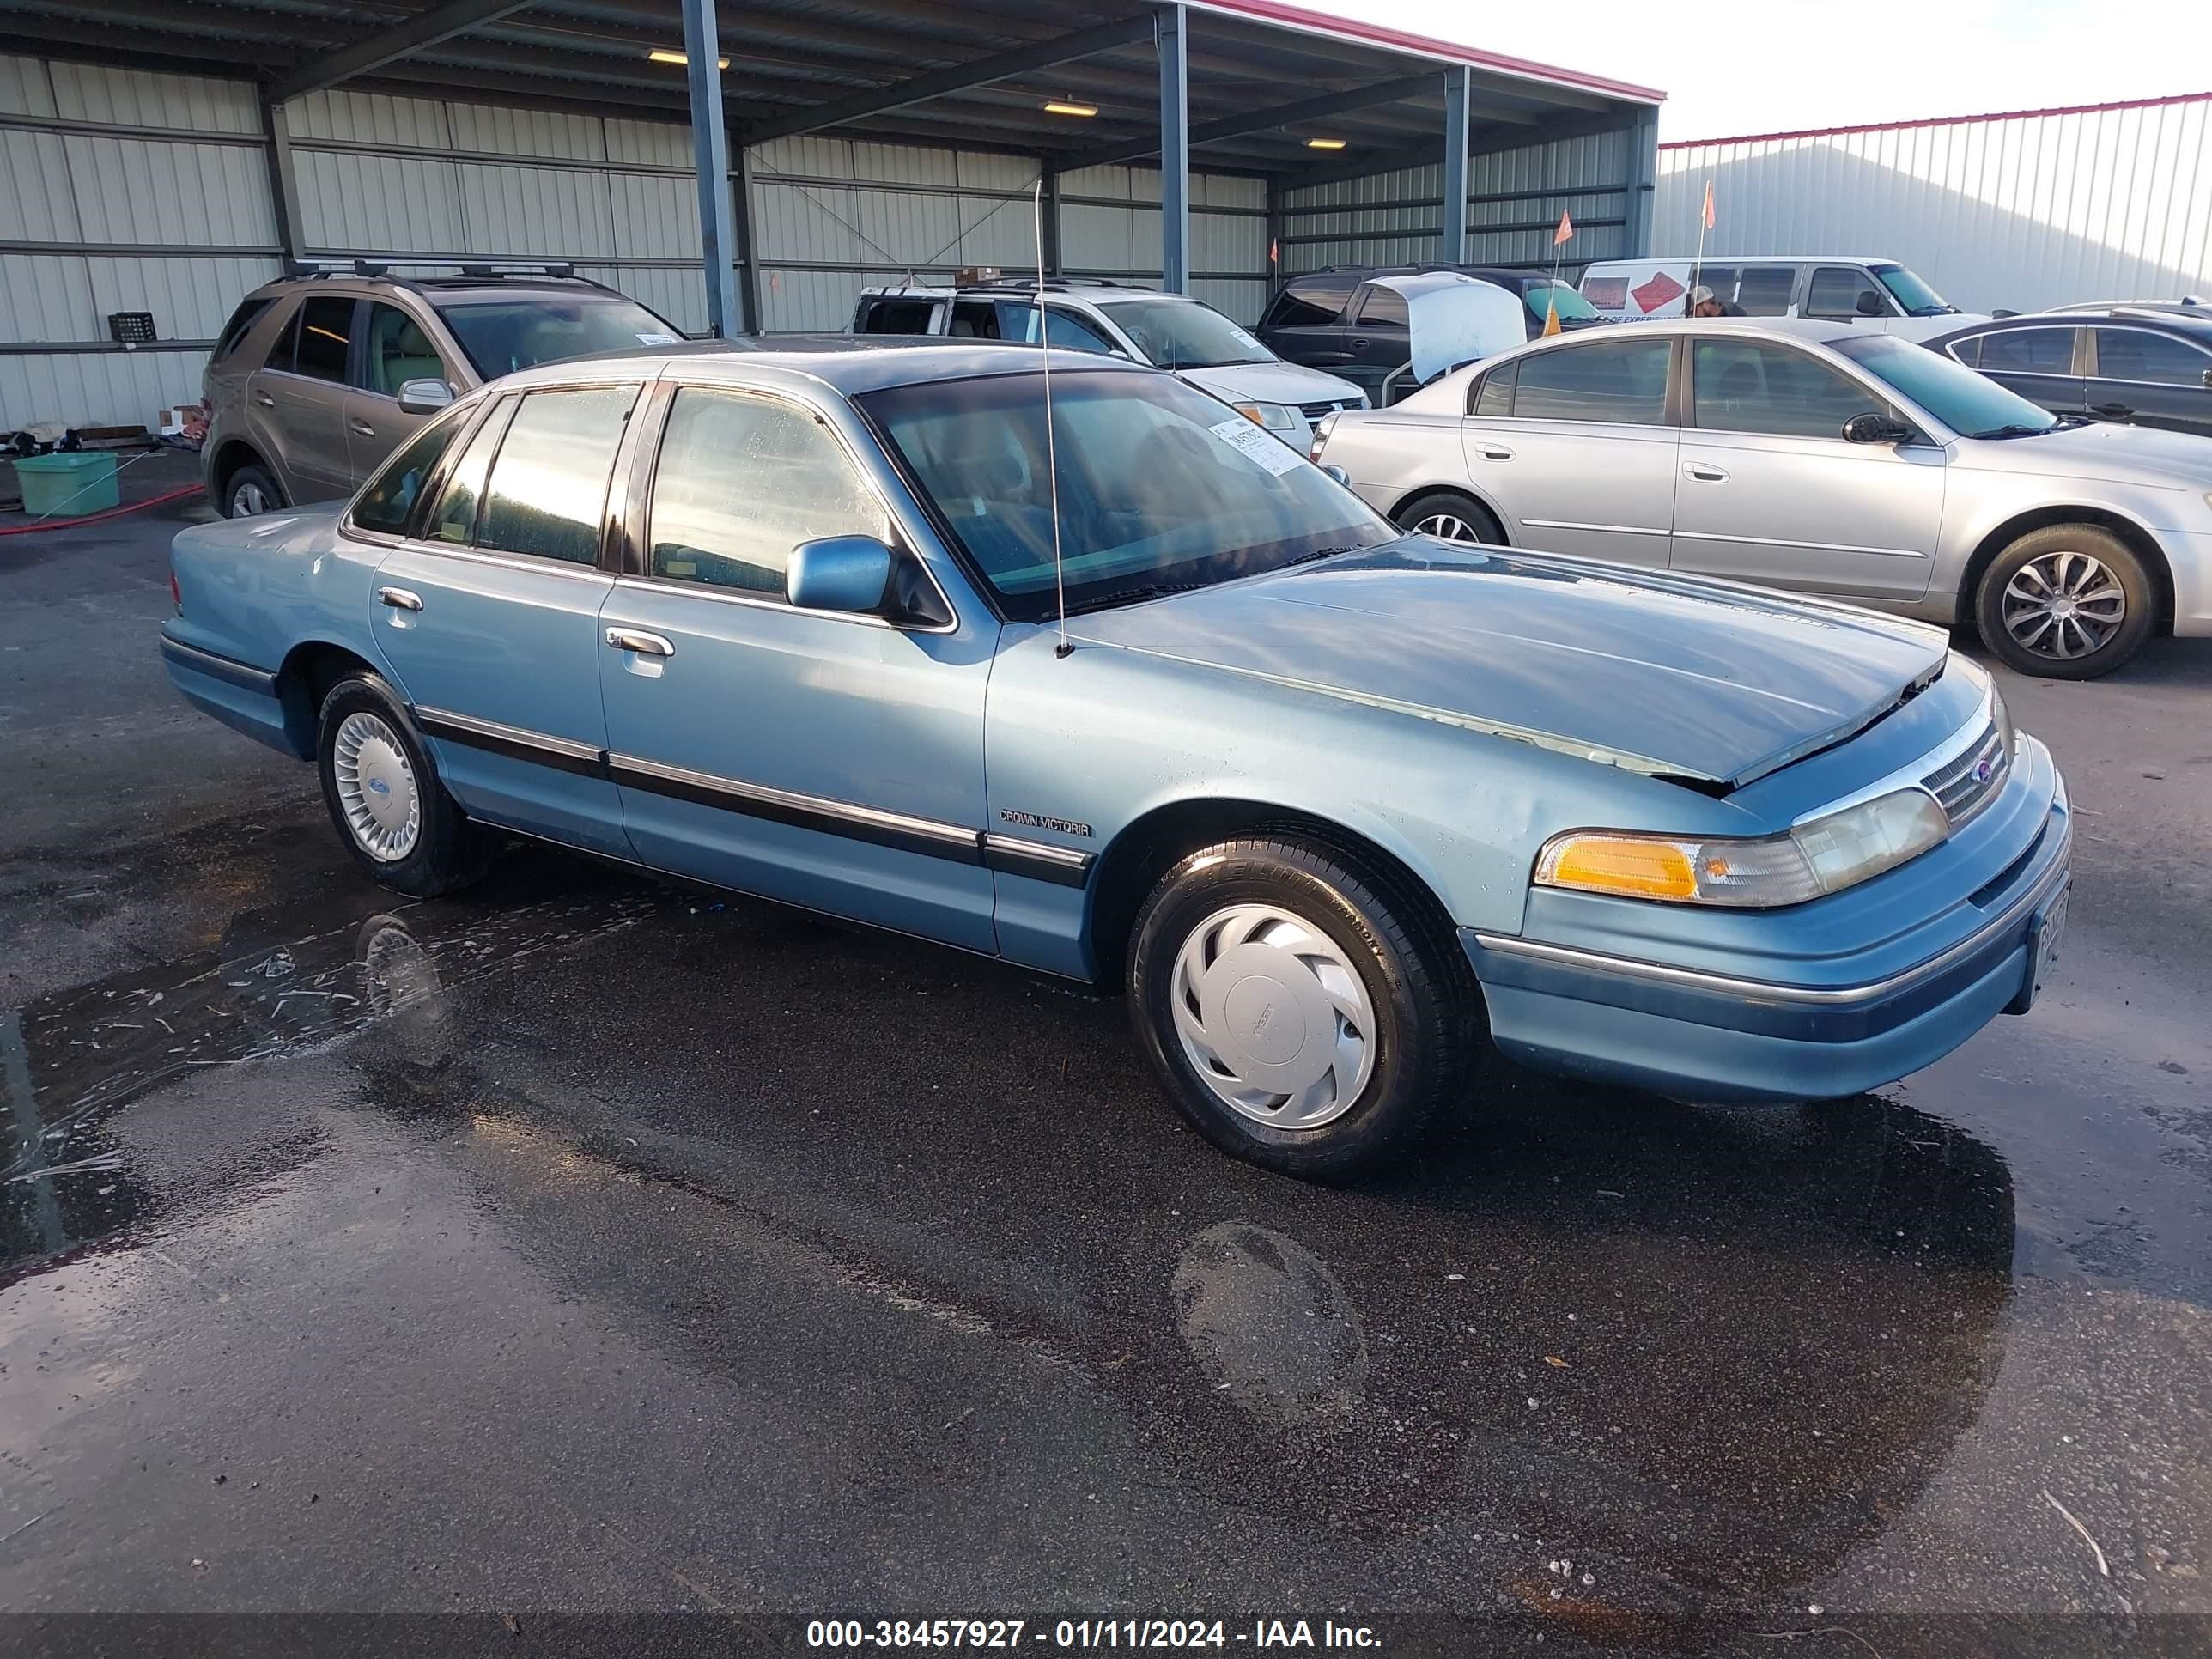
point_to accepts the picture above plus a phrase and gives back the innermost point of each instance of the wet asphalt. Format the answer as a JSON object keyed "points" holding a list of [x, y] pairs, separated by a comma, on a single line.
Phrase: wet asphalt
{"points": [[586, 1245]]}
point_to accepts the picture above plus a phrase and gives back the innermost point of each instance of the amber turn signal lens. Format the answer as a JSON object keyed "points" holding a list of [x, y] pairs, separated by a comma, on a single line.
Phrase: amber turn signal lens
{"points": [[1634, 866]]}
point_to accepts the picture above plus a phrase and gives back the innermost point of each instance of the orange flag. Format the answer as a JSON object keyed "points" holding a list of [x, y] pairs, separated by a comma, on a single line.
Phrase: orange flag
{"points": [[1551, 317], [1709, 204], [1566, 229]]}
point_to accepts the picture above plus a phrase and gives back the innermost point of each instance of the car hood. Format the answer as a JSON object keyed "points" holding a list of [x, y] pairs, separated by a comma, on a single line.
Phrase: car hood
{"points": [[2101, 450], [1271, 383], [1667, 675]]}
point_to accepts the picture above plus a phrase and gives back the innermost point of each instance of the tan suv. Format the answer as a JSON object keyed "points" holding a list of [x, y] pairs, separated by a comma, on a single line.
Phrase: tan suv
{"points": [[318, 377]]}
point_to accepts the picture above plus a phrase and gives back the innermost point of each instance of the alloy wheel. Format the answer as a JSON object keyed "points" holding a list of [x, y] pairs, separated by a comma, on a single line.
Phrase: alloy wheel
{"points": [[1447, 526], [376, 787], [249, 500], [1273, 1017], [2064, 606]]}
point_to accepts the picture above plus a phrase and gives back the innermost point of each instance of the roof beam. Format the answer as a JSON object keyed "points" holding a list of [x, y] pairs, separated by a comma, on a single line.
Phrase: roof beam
{"points": [[1021, 60], [1486, 139], [439, 23], [1259, 120]]}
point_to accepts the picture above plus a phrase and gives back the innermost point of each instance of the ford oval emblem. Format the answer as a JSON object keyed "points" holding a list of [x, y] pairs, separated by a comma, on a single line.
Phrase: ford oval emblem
{"points": [[1982, 772], [378, 786]]}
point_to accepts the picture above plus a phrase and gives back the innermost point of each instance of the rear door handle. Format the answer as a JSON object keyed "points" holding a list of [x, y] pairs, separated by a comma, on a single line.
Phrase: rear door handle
{"points": [[1496, 453], [400, 598], [265, 400], [363, 429], [1704, 472], [646, 645]]}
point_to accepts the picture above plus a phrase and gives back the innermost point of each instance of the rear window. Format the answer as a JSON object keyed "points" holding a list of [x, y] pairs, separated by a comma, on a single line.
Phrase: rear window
{"points": [[1309, 301], [897, 316], [242, 323]]}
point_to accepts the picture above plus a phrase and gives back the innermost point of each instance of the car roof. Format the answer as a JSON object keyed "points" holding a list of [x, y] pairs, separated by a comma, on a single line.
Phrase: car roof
{"points": [[1717, 258], [440, 290], [849, 364], [2187, 321]]}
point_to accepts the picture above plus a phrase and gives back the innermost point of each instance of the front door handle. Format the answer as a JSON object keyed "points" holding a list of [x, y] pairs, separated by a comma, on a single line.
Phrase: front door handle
{"points": [[363, 429], [645, 644], [1496, 453], [265, 400], [400, 598], [2111, 412], [1704, 472]]}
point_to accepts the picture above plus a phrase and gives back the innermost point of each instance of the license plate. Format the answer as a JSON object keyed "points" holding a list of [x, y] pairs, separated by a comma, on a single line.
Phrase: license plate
{"points": [[2049, 933]]}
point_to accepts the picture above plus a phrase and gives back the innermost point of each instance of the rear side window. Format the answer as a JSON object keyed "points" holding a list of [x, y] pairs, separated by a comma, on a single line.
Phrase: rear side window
{"points": [[2028, 351], [1383, 308], [1618, 380], [241, 322], [388, 504], [2134, 354], [1967, 351], [287, 344], [897, 316], [1495, 395], [325, 338], [1765, 290], [1835, 290], [741, 481], [1308, 301], [548, 493], [454, 518]]}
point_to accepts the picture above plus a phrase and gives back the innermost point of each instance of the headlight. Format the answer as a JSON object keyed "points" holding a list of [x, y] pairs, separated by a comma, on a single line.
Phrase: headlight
{"points": [[1823, 855], [1322, 428], [1276, 417]]}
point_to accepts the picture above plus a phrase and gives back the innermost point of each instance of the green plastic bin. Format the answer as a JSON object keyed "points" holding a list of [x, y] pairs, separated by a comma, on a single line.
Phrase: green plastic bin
{"points": [[68, 486]]}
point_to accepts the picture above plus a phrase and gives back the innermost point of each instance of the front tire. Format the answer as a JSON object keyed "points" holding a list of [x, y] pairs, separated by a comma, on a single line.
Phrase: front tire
{"points": [[385, 796], [1449, 516], [1302, 1013], [2068, 602]]}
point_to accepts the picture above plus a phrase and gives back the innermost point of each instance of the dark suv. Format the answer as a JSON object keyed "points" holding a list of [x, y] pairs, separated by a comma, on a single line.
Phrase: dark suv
{"points": [[317, 376], [2141, 365], [1338, 320]]}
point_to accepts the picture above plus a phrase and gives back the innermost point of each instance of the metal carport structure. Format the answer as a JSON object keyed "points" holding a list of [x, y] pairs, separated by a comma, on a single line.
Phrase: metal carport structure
{"points": [[1211, 109]]}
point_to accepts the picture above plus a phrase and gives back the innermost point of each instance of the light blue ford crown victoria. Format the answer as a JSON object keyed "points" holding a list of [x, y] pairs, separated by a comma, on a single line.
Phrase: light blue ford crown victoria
{"points": [[1330, 801]]}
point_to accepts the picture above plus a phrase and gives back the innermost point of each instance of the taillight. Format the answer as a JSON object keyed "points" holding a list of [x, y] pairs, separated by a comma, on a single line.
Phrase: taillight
{"points": [[1322, 428], [176, 593]]}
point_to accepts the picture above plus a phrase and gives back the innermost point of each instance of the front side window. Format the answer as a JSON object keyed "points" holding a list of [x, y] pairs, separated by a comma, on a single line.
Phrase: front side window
{"points": [[548, 492], [1618, 380], [1838, 291], [1964, 401], [741, 481], [2028, 351], [387, 505], [501, 336], [1186, 334], [1383, 308], [1160, 487], [1765, 290], [325, 338], [242, 323], [397, 350], [1746, 385], [2135, 354]]}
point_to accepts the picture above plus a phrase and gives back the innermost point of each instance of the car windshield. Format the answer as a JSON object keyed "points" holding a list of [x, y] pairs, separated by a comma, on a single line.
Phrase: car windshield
{"points": [[1161, 488], [1186, 334], [1541, 297], [501, 336], [1965, 402], [1908, 290]]}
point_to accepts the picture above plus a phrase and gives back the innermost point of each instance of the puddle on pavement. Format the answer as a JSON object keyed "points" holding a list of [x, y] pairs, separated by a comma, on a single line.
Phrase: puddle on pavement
{"points": [[285, 981]]}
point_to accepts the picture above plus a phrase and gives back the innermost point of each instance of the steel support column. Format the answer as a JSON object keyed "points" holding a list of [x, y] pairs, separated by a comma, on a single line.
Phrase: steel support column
{"points": [[749, 277], [1052, 260], [1175, 149], [283, 179], [1643, 183], [1456, 139], [710, 158]]}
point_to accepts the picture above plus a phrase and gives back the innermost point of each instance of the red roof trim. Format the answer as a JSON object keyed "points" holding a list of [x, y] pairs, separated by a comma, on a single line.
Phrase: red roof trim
{"points": [[1375, 35], [1940, 121]]}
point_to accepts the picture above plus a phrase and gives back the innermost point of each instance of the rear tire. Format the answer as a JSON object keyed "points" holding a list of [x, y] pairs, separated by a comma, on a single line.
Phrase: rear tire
{"points": [[1300, 1011], [1451, 517], [2068, 602], [385, 796], [249, 490]]}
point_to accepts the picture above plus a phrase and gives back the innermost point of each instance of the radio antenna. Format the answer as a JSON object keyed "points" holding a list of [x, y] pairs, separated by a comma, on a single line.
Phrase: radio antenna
{"points": [[1051, 447]]}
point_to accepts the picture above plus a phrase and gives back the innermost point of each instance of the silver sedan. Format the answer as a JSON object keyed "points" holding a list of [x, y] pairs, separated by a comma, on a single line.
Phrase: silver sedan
{"points": [[1815, 458]]}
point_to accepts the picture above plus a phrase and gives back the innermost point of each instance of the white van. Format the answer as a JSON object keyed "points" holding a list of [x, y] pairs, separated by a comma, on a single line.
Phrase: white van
{"points": [[1851, 288]]}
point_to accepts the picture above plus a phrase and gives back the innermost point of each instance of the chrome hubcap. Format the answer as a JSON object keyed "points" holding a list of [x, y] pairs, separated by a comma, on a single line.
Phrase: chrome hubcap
{"points": [[247, 501], [2063, 605], [376, 787], [1273, 1017], [1447, 526]]}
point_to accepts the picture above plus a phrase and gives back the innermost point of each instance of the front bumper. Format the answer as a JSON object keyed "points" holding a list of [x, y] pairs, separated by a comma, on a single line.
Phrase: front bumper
{"points": [[2189, 556], [1696, 1033]]}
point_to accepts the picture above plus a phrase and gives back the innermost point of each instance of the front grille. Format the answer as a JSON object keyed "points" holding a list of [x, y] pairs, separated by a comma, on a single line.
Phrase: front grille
{"points": [[1315, 411], [1970, 782]]}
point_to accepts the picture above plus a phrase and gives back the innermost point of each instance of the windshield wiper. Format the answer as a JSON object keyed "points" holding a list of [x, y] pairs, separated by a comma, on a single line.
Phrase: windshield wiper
{"points": [[2015, 429], [1319, 553], [1133, 595]]}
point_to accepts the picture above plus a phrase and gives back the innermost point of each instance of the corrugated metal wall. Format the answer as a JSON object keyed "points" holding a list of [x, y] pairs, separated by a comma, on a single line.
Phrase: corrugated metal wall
{"points": [[121, 190], [2021, 211], [1515, 198]]}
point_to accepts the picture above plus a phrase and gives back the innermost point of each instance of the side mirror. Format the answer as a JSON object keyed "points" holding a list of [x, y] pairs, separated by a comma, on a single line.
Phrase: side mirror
{"points": [[1338, 473], [852, 573], [1870, 304], [424, 397], [1872, 429]]}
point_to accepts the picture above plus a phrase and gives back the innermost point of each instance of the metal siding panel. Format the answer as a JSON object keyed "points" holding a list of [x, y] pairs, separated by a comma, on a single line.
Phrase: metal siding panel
{"points": [[34, 187], [190, 297], [107, 388], [497, 130], [655, 216], [379, 204], [371, 117], [136, 98], [142, 190], [47, 297], [23, 87], [990, 170], [679, 295], [649, 143], [514, 211]]}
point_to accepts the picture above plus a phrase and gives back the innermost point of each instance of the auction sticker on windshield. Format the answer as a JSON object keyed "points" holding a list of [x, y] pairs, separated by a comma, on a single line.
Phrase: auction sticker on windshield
{"points": [[1270, 454]]}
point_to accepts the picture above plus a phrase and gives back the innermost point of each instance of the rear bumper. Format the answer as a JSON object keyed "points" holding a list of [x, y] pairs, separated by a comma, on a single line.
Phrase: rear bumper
{"points": [[243, 697], [1694, 1033]]}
